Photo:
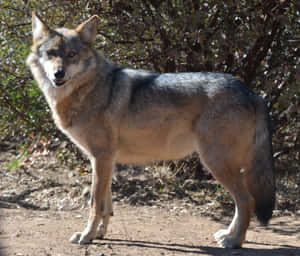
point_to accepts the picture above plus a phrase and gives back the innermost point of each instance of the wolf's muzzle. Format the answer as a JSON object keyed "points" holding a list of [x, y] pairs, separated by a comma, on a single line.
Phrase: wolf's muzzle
{"points": [[59, 75]]}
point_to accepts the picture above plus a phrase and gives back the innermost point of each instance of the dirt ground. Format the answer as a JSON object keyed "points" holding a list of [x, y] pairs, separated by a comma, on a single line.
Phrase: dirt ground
{"points": [[42, 203], [139, 231]]}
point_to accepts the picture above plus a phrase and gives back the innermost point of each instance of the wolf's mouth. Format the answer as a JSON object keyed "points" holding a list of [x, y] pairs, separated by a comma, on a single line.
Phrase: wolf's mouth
{"points": [[59, 82]]}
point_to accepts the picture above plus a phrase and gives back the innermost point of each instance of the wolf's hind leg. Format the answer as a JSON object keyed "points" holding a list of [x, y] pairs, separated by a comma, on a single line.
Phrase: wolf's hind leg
{"points": [[232, 179], [234, 235], [225, 147], [222, 233]]}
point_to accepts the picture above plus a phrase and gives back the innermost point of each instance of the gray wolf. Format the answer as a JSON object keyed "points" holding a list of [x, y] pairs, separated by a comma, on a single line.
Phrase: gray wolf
{"points": [[122, 115]]}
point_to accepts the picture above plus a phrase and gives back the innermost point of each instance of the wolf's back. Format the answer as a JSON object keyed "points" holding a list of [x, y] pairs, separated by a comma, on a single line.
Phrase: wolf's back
{"points": [[261, 179]]}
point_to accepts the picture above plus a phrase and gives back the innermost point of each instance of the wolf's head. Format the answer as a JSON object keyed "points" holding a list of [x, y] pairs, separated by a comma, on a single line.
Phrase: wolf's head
{"points": [[64, 54]]}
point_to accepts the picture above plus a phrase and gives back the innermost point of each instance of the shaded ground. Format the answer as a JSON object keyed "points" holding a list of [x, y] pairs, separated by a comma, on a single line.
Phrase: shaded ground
{"points": [[42, 203]]}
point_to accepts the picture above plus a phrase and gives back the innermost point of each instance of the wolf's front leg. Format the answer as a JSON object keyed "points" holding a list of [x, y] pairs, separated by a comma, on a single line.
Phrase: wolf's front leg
{"points": [[102, 174], [108, 212]]}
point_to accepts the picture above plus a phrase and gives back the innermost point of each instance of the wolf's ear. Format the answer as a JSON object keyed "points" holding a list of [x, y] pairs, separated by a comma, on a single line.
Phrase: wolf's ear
{"points": [[39, 28], [88, 29]]}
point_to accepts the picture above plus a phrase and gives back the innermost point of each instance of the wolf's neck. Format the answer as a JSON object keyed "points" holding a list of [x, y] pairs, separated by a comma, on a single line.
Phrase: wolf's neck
{"points": [[65, 110]]}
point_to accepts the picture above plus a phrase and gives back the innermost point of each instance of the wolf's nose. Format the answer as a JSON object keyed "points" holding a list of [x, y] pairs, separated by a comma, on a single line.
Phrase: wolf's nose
{"points": [[60, 73]]}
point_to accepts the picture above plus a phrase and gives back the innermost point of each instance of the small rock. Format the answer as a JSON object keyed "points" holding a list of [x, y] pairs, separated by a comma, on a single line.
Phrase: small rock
{"points": [[108, 246], [190, 184]]}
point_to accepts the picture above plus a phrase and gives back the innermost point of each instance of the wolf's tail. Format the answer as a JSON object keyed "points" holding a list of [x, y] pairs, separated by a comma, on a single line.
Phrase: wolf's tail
{"points": [[261, 179]]}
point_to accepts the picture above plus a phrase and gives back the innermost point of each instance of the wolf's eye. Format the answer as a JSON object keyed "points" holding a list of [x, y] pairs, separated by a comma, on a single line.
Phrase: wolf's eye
{"points": [[51, 53], [71, 54]]}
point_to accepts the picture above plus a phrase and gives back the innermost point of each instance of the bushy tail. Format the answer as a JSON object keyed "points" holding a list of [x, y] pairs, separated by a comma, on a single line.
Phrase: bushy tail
{"points": [[261, 183]]}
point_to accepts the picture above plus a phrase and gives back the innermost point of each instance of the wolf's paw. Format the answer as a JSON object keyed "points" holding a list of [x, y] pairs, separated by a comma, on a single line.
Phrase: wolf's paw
{"points": [[101, 231], [221, 234], [75, 238], [228, 242], [80, 238]]}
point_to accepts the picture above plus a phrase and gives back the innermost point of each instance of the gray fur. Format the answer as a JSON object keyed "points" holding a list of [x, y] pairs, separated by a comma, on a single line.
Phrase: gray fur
{"points": [[116, 114]]}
